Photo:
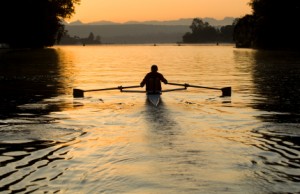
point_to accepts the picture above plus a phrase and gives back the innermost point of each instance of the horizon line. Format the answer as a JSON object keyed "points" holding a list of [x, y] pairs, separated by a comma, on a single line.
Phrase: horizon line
{"points": [[137, 21]]}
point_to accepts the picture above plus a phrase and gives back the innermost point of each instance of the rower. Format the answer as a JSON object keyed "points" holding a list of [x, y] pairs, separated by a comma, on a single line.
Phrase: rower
{"points": [[153, 80]]}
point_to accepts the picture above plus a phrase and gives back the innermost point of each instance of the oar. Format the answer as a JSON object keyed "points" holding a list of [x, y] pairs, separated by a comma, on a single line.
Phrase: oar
{"points": [[175, 89], [78, 93], [225, 91], [133, 91]]}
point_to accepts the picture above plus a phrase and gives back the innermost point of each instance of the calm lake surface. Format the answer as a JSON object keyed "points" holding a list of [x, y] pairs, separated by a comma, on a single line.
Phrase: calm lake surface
{"points": [[113, 142]]}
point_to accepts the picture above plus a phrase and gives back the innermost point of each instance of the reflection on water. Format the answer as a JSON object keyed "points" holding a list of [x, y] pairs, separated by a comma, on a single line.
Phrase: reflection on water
{"points": [[162, 128], [112, 142], [29, 76], [276, 79]]}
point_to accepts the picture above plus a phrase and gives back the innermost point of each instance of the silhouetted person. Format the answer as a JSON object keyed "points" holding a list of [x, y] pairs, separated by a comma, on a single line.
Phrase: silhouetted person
{"points": [[153, 80]]}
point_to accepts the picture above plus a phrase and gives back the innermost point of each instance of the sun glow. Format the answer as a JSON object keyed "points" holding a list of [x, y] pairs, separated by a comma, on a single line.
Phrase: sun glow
{"points": [[130, 10]]}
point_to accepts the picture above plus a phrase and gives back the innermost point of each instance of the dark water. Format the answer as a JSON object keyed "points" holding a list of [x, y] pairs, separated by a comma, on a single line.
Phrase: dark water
{"points": [[27, 77], [111, 142]]}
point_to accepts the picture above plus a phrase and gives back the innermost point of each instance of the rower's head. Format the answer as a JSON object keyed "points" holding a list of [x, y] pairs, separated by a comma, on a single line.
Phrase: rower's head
{"points": [[154, 68]]}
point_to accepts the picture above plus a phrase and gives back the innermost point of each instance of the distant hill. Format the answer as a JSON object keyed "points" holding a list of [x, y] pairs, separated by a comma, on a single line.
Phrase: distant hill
{"points": [[183, 21], [139, 32], [131, 33]]}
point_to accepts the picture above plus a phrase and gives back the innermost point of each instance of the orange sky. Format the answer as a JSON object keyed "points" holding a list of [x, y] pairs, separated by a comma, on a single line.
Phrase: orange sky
{"points": [[144, 10]]}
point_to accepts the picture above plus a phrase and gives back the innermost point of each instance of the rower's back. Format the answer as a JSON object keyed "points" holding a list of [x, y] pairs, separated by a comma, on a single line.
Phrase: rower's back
{"points": [[153, 85], [153, 80]]}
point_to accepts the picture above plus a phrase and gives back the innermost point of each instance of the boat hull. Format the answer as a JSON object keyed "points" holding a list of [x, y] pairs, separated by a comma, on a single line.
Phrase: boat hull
{"points": [[154, 99]]}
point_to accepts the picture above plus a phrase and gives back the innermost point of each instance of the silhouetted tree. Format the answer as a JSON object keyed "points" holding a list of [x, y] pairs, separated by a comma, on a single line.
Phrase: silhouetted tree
{"points": [[273, 24], [202, 32], [33, 23], [226, 33], [91, 36], [98, 39], [66, 39], [244, 31]]}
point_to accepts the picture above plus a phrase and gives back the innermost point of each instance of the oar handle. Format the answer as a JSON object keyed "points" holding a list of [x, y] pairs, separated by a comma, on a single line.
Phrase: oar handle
{"points": [[77, 93], [175, 89], [203, 87], [115, 88], [176, 84], [93, 90], [225, 91], [194, 86], [124, 87], [134, 91]]}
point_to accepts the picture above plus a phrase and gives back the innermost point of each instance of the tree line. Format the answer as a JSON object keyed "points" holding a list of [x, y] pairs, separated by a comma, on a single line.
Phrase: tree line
{"points": [[33, 23], [66, 39], [273, 25], [203, 32], [39, 23]]}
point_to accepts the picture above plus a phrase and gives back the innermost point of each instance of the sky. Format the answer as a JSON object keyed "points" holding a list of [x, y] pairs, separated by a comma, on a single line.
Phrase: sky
{"points": [[161, 10]]}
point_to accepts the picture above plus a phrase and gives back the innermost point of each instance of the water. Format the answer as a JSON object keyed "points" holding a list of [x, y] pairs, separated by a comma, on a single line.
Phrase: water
{"points": [[112, 142]]}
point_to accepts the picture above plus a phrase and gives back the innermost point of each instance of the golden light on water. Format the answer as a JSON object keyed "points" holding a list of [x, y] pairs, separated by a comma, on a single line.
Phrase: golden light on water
{"points": [[195, 141]]}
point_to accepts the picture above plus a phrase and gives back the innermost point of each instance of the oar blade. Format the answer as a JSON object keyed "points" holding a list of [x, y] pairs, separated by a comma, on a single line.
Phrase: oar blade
{"points": [[77, 93], [226, 91]]}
